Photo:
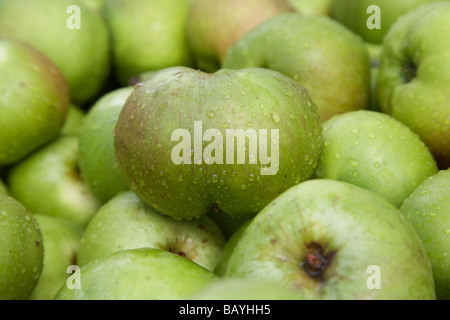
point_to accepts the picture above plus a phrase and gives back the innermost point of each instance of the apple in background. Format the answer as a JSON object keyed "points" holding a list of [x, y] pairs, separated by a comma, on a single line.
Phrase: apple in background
{"points": [[147, 35], [73, 122], [321, 7], [97, 159], [246, 289], [227, 224], [376, 152], [332, 240], [353, 14], [33, 103], [158, 118], [375, 57], [48, 182], [21, 250], [428, 209], [139, 274], [81, 54], [222, 263], [215, 25], [414, 80], [61, 241], [126, 222], [95, 5], [3, 188], [323, 56]]}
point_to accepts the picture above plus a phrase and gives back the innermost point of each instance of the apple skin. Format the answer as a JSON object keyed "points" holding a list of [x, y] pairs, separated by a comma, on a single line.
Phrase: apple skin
{"points": [[249, 99], [215, 25], [21, 250], [97, 159], [73, 121], [353, 14], [48, 183], [326, 58], [82, 54], [126, 222], [246, 289], [320, 7], [222, 263], [375, 152], [33, 103], [414, 79], [428, 209], [354, 228], [147, 35], [139, 274], [61, 241]]}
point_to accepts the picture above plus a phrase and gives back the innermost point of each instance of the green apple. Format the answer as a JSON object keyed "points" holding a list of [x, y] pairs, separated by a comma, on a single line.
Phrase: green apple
{"points": [[247, 289], [97, 159], [147, 35], [73, 122], [48, 182], [74, 37], [61, 241], [226, 223], [357, 14], [126, 222], [414, 80], [332, 240], [215, 25], [428, 209], [222, 263], [375, 152], [323, 56], [321, 7], [139, 274], [34, 100], [21, 250], [375, 57], [161, 140]]}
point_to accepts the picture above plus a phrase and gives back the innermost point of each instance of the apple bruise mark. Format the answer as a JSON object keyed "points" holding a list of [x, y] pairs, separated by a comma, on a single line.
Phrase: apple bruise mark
{"points": [[316, 260], [409, 71]]}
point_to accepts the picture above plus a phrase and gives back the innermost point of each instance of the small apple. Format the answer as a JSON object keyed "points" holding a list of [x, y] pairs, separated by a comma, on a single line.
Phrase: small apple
{"points": [[428, 209], [21, 250], [74, 37], [356, 14], [73, 122], [147, 35], [247, 289], [33, 103], [48, 182], [126, 222], [138, 274], [375, 152], [215, 25], [414, 79], [187, 139], [61, 241], [333, 240], [322, 55], [97, 159]]}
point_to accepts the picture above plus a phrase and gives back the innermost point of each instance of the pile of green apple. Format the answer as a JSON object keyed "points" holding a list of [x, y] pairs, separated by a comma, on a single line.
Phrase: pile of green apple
{"points": [[224, 149]]}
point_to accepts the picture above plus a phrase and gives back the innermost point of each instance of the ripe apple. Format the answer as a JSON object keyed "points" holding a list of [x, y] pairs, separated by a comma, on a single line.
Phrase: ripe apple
{"points": [[97, 159], [147, 35], [74, 37], [376, 152], [428, 209], [139, 274], [126, 222], [61, 241], [33, 103], [214, 26], [246, 289], [332, 240], [323, 56], [414, 80], [48, 182], [73, 122], [321, 7], [175, 140], [354, 14], [21, 250]]}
